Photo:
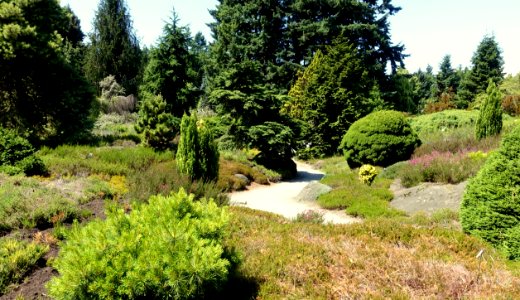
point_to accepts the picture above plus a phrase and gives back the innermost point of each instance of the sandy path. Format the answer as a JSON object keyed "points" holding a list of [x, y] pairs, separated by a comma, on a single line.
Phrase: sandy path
{"points": [[280, 198]]}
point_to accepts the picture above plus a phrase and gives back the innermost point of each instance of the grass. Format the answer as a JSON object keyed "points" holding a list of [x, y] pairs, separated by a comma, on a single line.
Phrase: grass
{"points": [[16, 259], [378, 259], [348, 192]]}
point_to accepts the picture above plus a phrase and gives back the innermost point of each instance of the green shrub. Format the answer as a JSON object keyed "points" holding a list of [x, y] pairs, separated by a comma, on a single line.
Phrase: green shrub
{"points": [[158, 126], [208, 155], [187, 157], [169, 249], [443, 121], [381, 138], [16, 259], [489, 121], [17, 155], [367, 174], [491, 205]]}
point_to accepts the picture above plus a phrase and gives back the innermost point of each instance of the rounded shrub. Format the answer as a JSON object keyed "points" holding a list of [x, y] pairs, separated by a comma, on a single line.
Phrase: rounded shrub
{"points": [[491, 204], [380, 138], [171, 248]]}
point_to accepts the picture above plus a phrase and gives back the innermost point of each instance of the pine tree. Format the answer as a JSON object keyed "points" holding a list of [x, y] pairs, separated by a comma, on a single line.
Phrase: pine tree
{"points": [[158, 126], [187, 157], [114, 48], [447, 79], [489, 122], [169, 72]]}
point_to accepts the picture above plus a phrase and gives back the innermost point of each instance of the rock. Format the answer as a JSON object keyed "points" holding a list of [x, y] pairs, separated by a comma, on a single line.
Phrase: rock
{"points": [[312, 191], [243, 178]]}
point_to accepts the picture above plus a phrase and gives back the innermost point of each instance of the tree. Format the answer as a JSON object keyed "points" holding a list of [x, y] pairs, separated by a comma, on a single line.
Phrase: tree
{"points": [[169, 71], [425, 87], [447, 79], [333, 92], [208, 155], [489, 122], [114, 48], [42, 90], [487, 64], [158, 126]]}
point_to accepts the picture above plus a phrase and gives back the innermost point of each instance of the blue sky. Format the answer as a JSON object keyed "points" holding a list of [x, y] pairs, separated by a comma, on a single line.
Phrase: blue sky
{"points": [[429, 29]]}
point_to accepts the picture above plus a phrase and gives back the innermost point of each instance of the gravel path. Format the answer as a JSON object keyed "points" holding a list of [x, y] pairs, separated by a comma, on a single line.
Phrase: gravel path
{"points": [[281, 198]]}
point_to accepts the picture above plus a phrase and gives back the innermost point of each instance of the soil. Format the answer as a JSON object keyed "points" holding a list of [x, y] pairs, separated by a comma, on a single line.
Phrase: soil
{"points": [[427, 197]]}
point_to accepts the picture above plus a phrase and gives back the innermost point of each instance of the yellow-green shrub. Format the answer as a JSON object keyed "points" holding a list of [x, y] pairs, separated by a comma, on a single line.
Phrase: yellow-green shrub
{"points": [[367, 174], [170, 248]]}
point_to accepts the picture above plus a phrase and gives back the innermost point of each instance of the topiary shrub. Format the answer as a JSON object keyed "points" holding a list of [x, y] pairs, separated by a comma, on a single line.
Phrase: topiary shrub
{"points": [[489, 121], [380, 138], [491, 205], [170, 248]]}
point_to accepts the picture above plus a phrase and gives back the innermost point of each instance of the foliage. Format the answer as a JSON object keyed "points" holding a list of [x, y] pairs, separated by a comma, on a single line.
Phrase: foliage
{"points": [[115, 128], [367, 174], [209, 154], [445, 102], [114, 48], [16, 259], [448, 80], [402, 97], [170, 70], [333, 92], [381, 138], [24, 202], [425, 87], [488, 64], [489, 122], [158, 126], [17, 155], [443, 121], [112, 100], [187, 156], [52, 106], [399, 258], [442, 167], [491, 206], [349, 193], [309, 216], [511, 105], [111, 258]]}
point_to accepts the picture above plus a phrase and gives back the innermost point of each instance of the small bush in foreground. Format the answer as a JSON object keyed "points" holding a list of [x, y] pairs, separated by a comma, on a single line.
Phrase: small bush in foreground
{"points": [[310, 216], [367, 174], [16, 259], [170, 249], [381, 138], [491, 203]]}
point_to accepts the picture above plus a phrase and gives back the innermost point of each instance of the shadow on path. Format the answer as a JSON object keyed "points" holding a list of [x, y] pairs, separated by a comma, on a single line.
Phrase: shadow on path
{"points": [[305, 176]]}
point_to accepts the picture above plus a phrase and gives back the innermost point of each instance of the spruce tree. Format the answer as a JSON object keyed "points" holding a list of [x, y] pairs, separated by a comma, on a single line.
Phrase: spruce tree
{"points": [[187, 157], [489, 122], [114, 48], [169, 73], [157, 125], [447, 79]]}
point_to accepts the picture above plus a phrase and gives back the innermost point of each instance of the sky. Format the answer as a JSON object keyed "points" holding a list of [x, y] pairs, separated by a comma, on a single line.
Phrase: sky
{"points": [[429, 29]]}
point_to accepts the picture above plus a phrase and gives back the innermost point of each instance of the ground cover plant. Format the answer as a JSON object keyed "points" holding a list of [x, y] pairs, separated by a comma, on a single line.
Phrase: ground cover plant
{"points": [[350, 193], [168, 248], [381, 258]]}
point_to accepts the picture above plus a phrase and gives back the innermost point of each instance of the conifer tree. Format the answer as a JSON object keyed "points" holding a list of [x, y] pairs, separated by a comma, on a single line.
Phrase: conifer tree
{"points": [[114, 48], [187, 157], [489, 122], [447, 79], [208, 155], [158, 126]]}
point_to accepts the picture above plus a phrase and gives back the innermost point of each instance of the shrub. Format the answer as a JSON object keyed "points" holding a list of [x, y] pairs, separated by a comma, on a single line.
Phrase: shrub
{"points": [[208, 155], [511, 105], [187, 156], [16, 259], [170, 249], [158, 126], [489, 121], [367, 174], [310, 216], [491, 206], [443, 121], [381, 138]]}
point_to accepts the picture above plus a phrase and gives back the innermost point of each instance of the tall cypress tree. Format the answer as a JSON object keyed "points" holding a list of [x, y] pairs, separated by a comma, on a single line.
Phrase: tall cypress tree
{"points": [[489, 122], [114, 48]]}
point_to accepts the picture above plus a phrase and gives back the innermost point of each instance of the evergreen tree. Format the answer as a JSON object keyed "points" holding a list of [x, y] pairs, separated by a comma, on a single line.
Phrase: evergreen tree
{"points": [[169, 71], [208, 155], [114, 48], [425, 87], [42, 89], [187, 157], [447, 79], [158, 126], [403, 96], [489, 122], [487, 64]]}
